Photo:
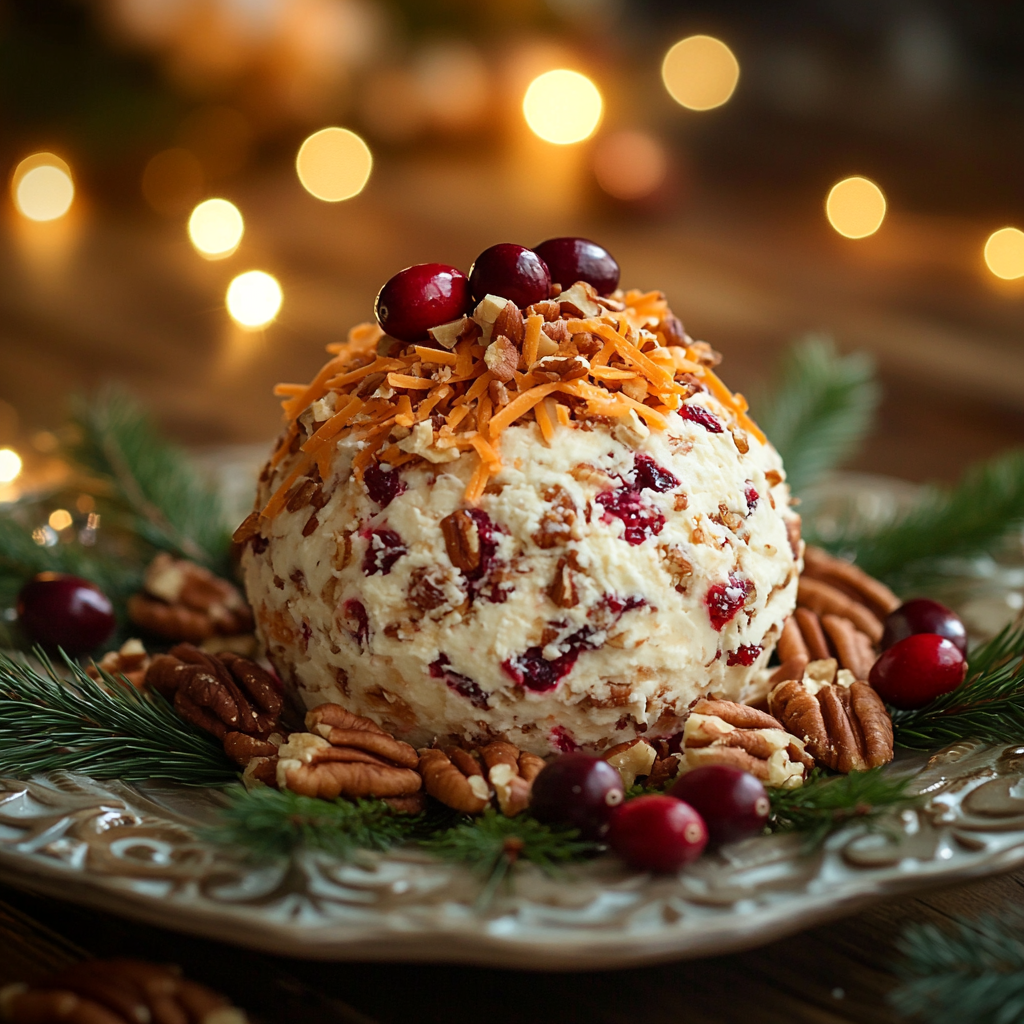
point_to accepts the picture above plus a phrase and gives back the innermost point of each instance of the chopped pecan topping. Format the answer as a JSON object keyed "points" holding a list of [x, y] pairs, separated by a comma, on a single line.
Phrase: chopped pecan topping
{"points": [[346, 755], [498, 393], [248, 529], [563, 587], [502, 358], [131, 661], [843, 721], [219, 693], [557, 331], [456, 778], [424, 592], [558, 524], [462, 540], [593, 477], [561, 367], [678, 567], [633, 759], [509, 323], [511, 772], [184, 601], [671, 329], [117, 991]]}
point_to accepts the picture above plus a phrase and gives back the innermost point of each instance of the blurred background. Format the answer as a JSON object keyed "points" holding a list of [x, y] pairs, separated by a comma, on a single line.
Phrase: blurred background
{"points": [[850, 168]]}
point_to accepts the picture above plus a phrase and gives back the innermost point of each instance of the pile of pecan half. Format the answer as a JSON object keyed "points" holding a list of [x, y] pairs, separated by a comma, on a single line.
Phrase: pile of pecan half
{"points": [[116, 992], [466, 780], [183, 601]]}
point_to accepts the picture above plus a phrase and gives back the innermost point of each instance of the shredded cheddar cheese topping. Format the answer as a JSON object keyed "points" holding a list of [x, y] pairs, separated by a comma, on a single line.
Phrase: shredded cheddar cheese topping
{"points": [[638, 366]]}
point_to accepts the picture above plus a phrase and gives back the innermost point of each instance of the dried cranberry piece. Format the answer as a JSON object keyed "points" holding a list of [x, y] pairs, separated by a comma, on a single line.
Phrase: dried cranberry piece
{"points": [[650, 476], [462, 685], [752, 496], [486, 532], [724, 600], [616, 604], [745, 654], [532, 670], [383, 485], [355, 613], [384, 549], [698, 414], [641, 521], [563, 740]]}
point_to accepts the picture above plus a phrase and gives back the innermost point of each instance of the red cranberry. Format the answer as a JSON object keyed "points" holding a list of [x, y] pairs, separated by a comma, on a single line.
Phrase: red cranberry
{"points": [[641, 521], [657, 833], [421, 297], [383, 549], [57, 610], [563, 739], [648, 475], [577, 259], [922, 615], [511, 271], [577, 790], [383, 486], [698, 414], [917, 669], [745, 654], [724, 600], [532, 670], [462, 685], [751, 496], [733, 803]]}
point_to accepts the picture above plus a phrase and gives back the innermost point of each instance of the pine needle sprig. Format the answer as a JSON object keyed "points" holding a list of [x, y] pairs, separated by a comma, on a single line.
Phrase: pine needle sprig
{"points": [[968, 519], [819, 410], [271, 824], [971, 973], [988, 705], [825, 803], [108, 731], [171, 508]]}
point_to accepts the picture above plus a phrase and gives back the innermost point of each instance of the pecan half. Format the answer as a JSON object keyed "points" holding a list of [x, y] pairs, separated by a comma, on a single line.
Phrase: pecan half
{"points": [[511, 772], [852, 581], [118, 991], [502, 358], [462, 540], [455, 777], [844, 722], [825, 599], [344, 754]]}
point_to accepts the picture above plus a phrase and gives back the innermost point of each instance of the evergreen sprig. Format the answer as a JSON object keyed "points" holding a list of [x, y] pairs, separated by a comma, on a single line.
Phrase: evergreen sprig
{"points": [[819, 409], [988, 705], [268, 824], [971, 973], [825, 803], [968, 519], [152, 480], [108, 731]]}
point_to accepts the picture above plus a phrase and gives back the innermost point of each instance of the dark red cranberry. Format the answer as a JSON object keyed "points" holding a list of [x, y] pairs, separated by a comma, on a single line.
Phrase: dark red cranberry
{"points": [[532, 670], [724, 600], [641, 521], [745, 654], [657, 833], [383, 549], [577, 790], [563, 739], [511, 271], [733, 803], [917, 669], [487, 538], [462, 685], [577, 259], [922, 615], [421, 297], [57, 610], [752, 496], [648, 475], [357, 621], [698, 414], [383, 485]]}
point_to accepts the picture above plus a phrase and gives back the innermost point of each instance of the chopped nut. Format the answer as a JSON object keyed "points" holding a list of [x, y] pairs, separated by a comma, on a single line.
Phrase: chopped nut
{"points": [[421, 442], [678, 567], [681, 502], [635, 388], [131, 661], [579, 300], [447, 335], [739, 438], [511, 772], [509, 323], [498, 393], [562, 367], [705, 354], [462, 540], [563, 588], [558, 523], [502, 358], [590, 475], [423, 592], [632, 758], [671, 329], [631, 430], [558, 331]]}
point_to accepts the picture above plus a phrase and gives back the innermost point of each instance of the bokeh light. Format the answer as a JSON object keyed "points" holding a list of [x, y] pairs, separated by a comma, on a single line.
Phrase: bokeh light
{"points": [[700, 72], [855, 207], [10, 465], [630, 164], [60, 519], [562, 106], [42, 187], [216, 228], [254, 299], [334, 164], [1004, 253]]}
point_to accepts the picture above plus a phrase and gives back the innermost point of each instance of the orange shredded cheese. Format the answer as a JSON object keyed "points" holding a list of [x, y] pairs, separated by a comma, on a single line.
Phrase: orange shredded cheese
{"points": [[544, 421], [531, 339], [518, 406], [435, 355], [562, 412]]}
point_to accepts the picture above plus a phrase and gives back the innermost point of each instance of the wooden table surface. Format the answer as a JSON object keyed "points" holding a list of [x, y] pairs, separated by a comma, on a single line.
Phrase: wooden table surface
{"points": [[122, 296]]}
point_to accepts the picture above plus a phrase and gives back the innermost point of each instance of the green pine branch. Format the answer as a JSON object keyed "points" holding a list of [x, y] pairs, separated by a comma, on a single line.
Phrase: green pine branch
{"points": [[108, 731], [820, 409], [988, 705], [968, 519], [825, 803], [170, 507], [971, 973]]}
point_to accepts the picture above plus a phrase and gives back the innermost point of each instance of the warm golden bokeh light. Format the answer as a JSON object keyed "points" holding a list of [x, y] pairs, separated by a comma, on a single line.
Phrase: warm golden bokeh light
{"points": [[42, 187], [630, 164], [562, 107], [254, 299], [60, 519], [10, 465], [216, 228], [700, 72], [1004, 253], [855, 207], [334, 164]]}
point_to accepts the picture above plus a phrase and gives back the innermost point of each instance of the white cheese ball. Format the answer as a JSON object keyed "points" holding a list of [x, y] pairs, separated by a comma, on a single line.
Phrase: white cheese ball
{"points": [[602, 583]]}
